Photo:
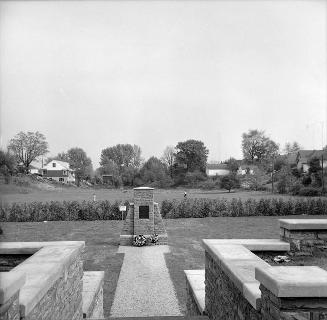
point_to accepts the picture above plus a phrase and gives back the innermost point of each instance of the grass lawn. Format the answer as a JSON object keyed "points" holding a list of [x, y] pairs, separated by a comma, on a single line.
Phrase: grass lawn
{"points": [[184, 236], [10, 194]]}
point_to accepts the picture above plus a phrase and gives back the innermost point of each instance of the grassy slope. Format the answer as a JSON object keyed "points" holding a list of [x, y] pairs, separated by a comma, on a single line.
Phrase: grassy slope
{"points": [[23, 194], [102, 241]]}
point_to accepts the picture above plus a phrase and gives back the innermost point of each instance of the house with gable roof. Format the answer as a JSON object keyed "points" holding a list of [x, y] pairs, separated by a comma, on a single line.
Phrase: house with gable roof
{"points": [[304, 156], [59, 171]]}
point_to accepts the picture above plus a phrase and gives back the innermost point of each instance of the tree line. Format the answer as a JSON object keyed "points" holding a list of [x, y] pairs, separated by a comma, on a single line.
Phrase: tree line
{"points": [[182, 164]]}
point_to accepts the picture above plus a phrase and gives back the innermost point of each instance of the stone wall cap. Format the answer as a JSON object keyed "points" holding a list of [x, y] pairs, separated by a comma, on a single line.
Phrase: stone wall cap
{"points": [[92, 283], [42, 269], [303, 224], [32, 246], [196, 279], [253, 244], [10, 283], [143, 188], [294, 281]]}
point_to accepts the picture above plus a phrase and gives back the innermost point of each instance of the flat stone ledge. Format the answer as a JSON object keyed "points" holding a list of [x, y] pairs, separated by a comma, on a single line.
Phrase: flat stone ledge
{"points": [[92, 283], [196, 280], [10, 283], [32, 247], [253, 244], [294, 281], [48, 262], [303, 224], [239, 264]]}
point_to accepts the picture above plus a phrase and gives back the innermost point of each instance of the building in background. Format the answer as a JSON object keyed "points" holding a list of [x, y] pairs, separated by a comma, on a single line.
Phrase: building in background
{"points": [[58, 171]]}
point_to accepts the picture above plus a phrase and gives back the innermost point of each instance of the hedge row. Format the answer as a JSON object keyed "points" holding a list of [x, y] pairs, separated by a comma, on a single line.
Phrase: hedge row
{"points": [[170, 209], [61, 211], [201, 208]]}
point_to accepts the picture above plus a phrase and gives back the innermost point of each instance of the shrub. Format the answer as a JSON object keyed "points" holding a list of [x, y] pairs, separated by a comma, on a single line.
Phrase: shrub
{"points": [[64, 211], [201, 208], [308, 192]]}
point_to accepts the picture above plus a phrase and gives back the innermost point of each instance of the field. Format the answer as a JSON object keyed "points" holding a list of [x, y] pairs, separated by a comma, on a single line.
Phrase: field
{"points": [[10, 194], [184, 236]]}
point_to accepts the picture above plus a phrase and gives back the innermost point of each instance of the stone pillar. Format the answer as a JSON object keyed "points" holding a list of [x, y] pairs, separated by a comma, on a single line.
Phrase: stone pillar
{"points": [[304, 235], [293, 293], [143, 211], [11, 283]]}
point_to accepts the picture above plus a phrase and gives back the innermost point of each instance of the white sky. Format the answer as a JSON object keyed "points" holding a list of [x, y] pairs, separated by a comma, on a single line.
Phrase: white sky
{"points": [[96, 73]]}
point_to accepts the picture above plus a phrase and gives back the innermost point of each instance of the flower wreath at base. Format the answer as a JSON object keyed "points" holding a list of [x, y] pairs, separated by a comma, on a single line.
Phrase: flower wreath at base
{"points": [[141, 240]]}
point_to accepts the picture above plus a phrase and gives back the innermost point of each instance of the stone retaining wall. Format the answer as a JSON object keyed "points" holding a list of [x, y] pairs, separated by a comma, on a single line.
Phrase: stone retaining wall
{"points": [[223, 299], [10, 310], [304, 235], [64, 299]]}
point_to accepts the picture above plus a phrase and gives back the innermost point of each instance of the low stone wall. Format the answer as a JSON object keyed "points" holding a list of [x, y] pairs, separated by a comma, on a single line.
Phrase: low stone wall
{"points": [[53, 286], [64, 299], [304, 235], [223, 300], [10, 285], [296, 293], [195, 292], [10, 309]]}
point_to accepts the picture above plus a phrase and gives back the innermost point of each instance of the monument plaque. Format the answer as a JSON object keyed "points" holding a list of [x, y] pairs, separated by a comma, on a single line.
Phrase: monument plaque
{"points": [[143, 218]]}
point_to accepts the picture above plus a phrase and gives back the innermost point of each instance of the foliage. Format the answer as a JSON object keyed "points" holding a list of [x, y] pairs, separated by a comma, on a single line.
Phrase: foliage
{"points": [[155, 172], [308, 192], [123, 155], [201, 208], [257, 147], [168, 158], [232, 164], [27, 147], [7, 165], [66, 211], [193, 178], [255, 181], [228, 182], [291, 147], [192, 154]]}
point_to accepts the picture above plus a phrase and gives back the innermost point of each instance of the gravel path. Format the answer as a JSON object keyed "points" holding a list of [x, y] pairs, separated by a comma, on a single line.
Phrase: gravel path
{"points": [[144, 286]]}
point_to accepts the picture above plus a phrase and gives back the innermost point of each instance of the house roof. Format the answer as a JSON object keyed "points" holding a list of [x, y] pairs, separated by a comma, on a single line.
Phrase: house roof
{"points": [[217, 166], [64, 164], [304, 156]]}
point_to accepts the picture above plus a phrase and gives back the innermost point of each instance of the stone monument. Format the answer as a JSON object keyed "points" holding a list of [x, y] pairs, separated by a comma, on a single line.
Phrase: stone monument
{"points": [[143, 218]]}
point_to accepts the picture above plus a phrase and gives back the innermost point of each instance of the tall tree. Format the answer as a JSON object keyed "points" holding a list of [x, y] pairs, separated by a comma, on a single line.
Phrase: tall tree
{"points": [[124, 155], [232, 164], [79, 162], [257, 147], [192, 154], [154, 170], [291, 147], [168, 157], [27, 147]]}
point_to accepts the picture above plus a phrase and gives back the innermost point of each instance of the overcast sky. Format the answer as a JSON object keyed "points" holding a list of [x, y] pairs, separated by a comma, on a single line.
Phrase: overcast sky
{"points": [[94, 74]]}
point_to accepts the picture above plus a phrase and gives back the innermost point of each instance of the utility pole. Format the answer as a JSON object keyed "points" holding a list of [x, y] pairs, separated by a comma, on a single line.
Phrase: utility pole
{"points": [[272, 175], [322, 174]]}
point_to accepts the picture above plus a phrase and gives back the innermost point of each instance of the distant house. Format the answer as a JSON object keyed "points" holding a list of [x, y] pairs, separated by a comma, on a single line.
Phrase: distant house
{"points": [[246, 169], [304, 156], [34, 170], [58, 171], [107, 179], [219, 169]]}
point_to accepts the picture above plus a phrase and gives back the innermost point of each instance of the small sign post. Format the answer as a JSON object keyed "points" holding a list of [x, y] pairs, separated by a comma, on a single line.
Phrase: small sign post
{"points": [[122, 209]]}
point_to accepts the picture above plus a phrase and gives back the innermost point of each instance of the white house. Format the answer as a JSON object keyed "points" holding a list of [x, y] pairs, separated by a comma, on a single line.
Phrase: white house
{"points": [[220, 169], [59, 171], [245, 169]]}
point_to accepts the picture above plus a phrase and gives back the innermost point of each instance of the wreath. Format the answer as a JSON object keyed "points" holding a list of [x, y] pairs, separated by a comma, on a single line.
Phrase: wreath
{"points": [[139, 241], [154, 238]]}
